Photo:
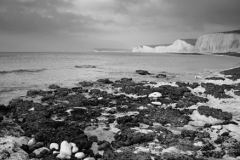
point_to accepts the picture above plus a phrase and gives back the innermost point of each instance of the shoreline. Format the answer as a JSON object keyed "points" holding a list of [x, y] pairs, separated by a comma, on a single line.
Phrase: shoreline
{"points": [[126, 119]]}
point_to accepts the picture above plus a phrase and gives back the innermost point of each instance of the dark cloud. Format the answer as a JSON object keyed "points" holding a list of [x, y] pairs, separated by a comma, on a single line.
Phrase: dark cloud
{"points": [[97, 21], [28, 16]]}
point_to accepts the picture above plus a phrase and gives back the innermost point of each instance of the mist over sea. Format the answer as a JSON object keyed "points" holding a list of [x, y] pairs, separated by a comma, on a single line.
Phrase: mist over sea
{"points": [[20, 72]]}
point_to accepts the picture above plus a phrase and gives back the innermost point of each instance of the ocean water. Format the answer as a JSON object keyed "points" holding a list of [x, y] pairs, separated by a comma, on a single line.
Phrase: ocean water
{"points": [[20, 72]]}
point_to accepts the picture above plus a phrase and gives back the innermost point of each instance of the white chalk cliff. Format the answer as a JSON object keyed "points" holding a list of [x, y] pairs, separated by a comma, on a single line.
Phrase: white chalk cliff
{"points": [[218, 43], [179, 46], [210, 43]]}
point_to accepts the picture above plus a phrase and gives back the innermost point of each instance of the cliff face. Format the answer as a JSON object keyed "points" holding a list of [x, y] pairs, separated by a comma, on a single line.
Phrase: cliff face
{"points": [[223, 42], [218, 43], [179, 46]]}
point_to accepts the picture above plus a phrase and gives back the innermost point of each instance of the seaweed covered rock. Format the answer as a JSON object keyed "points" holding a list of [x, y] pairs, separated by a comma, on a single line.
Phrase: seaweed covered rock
{"points": [[171, 116], [129, 137], [233, 73], [143, 72], [53, 86], [215, 113], [105, 81], [218, 91], [111, 155]]}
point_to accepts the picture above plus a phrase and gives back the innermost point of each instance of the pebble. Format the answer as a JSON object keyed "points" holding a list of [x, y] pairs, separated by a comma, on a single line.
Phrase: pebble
{"points": [[54, 146], [79, 155]]}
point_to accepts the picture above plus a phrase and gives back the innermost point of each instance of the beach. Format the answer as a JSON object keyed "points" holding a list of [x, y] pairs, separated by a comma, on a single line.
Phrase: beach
{"points": [[150, 115]]}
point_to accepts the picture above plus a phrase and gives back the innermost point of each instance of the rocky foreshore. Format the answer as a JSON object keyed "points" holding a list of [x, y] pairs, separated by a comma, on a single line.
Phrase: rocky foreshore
{"points": [[125, 120]]}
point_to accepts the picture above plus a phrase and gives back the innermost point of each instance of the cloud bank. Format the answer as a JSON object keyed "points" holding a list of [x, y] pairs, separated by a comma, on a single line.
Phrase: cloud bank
{"points": [[79, 25]]}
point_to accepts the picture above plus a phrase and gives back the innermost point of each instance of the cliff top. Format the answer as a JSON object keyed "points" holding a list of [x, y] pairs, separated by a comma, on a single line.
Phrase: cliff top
{"points": [[157, 45], [235, 31]]}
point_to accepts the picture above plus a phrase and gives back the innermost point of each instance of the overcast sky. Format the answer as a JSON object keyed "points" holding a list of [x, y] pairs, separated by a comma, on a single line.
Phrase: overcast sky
{"points": [[81, 25]]}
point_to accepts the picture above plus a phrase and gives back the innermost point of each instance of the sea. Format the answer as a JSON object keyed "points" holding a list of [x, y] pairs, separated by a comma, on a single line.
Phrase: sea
{"points": [[23, 71]]}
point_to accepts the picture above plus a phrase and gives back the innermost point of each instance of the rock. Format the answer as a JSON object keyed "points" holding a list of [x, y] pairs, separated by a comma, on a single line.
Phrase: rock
{"points": [[93, 138], [215, 78], [74, 147], [155, 95], [56, 152], [54, 146], [10, 151], [65, 149], [86, 84], [89, 158], [79, 155], [215, 113], [234, 73], [161, 76], [1, 118], [143, 72], [126, 79], [62, 156], [32, 142], [105, 81], [21, 140], [104, 146], [218, 91], [157, 103], [85, 66], [39, 150], [53, 86]]}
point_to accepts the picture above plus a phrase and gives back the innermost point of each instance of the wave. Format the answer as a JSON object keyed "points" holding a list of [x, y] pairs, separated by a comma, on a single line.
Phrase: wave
{"points": [[7, 90], [86, 66], [22, 71]]}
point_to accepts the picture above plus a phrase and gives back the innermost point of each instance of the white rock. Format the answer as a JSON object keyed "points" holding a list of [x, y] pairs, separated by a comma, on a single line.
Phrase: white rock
{"points": [[155, 95], [65, 148], [62, 156], [32, 142], [89, 158], [157, 103], [74, 147], [198, 77], [55, 152], [54, 146], [100, 98], [32, 109], [199, 144], [217, 127], [79, 155]]}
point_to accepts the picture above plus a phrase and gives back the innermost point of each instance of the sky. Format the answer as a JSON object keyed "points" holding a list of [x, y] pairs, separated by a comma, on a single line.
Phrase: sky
{"points": [[81, 25]]}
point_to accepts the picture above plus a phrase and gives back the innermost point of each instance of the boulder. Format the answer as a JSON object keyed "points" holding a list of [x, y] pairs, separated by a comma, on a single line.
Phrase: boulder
{"points": [[9, 150], [143, 72], [53, 86]]}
